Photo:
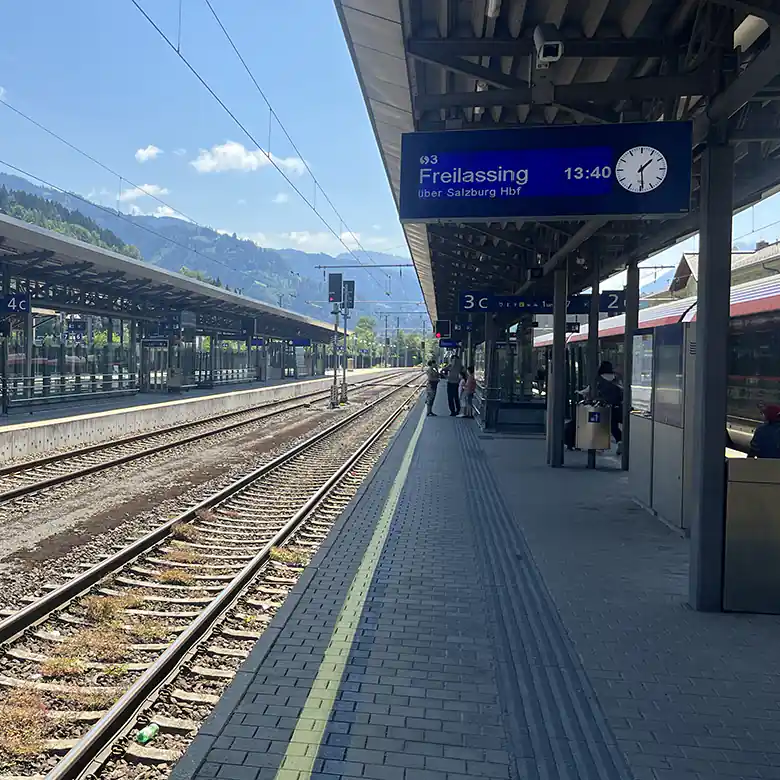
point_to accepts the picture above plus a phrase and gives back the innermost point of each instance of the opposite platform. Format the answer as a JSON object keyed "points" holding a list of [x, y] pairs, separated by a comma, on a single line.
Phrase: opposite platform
{"points": [[486, 616], [71, 427]]}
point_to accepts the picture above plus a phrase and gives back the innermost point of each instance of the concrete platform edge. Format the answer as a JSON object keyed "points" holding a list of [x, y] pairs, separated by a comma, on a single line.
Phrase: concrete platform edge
{"points": [[193, 758]]}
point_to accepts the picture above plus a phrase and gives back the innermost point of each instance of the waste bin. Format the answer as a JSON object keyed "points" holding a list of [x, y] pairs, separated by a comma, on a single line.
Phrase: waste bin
{"points": [[751, 565], [593, 427]]}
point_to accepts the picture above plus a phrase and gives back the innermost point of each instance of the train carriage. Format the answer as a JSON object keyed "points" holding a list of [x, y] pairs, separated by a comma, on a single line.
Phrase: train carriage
{"points": [[664, 355]]}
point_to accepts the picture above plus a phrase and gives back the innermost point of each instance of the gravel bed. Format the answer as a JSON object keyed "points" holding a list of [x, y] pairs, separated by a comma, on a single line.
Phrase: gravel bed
{"points": [[64, 529]]}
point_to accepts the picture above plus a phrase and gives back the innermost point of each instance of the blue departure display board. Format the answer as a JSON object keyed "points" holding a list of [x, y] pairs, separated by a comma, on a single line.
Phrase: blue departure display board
{"points": [[611, 301], [624, 170]]}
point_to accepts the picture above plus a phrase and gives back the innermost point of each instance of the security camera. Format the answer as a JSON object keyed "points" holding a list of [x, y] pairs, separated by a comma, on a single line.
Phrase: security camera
{"points": [[548, 43]]}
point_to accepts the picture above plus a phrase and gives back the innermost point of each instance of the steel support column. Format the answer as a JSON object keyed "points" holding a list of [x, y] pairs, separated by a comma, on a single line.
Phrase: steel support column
{"points": [[632, 321], [29, 340], [593, 340], [5, 288], [710, 382], [556, 380], [133, 349], [491, 389]]}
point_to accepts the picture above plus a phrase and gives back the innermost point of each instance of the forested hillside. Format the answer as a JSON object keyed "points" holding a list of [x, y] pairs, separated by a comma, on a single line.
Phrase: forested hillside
{"points": [[54, 216], [288, 278]]}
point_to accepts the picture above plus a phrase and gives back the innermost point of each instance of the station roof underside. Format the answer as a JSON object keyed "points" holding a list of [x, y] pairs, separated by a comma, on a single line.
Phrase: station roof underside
{"points": [[72, 275], [464, 64]]}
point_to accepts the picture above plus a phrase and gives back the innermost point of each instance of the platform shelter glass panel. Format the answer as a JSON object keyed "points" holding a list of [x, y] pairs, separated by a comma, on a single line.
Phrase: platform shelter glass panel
{"points": [[642, 378], [668, 400]]}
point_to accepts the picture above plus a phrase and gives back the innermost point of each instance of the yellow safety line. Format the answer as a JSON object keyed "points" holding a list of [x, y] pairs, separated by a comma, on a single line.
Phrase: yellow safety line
{"points": [[298, 762]]}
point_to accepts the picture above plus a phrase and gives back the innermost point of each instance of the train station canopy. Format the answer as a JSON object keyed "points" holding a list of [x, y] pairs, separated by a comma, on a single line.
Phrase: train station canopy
{"points": [[449, 65], [70, 275]]}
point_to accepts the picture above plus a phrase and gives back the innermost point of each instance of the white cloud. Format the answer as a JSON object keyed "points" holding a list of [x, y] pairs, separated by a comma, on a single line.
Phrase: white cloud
{"points": [[318, 241], [376, 227], [161, 211], [241, 202], [140, 192], [352, 240], [233, 156], [2, 93], [180, 152], [281, 197], [148, 153]]}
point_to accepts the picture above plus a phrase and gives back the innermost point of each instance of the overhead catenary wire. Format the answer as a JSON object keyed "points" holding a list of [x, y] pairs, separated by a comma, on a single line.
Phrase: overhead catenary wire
{"points": [[123, 217], [317, 185], [122, 180], [97, 162], [249, 134]]}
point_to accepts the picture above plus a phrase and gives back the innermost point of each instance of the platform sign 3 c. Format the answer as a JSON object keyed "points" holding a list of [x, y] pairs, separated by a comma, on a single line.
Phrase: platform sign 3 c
{"points": [[15, 303]]}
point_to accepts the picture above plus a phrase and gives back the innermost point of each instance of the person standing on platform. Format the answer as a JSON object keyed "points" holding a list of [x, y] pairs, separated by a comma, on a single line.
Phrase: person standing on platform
{"points": [[453, 380], [468, 393], [462, 391], [432, 374], [766, 439]]}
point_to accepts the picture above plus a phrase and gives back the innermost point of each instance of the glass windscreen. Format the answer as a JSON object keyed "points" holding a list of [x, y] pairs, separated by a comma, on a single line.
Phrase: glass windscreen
{"points": [[668, 405], [642, 375]]}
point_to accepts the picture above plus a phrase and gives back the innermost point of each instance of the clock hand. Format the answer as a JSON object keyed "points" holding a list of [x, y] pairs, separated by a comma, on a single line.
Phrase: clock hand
{"points": [[642, 167]]}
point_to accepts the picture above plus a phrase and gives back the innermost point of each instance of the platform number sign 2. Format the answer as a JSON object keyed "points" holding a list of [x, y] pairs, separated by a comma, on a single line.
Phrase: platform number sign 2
{"points": [[16, 303]]}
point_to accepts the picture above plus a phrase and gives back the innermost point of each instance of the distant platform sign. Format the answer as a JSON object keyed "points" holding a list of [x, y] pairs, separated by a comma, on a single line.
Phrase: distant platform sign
{"points": [[300, 342], [612, 301], [449, 343], [15, 303], [640, 170]]}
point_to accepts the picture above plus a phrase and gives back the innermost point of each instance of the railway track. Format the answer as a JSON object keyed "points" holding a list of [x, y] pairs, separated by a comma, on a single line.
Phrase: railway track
{"points": [[30, 477], [157, 630]]}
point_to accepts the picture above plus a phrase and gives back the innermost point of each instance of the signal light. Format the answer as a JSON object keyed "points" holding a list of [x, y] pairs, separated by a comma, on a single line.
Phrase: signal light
{"points": [[438, 335]]}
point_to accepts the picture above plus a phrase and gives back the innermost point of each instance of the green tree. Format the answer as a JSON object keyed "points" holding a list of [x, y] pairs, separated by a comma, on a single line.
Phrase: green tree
{"points": [[365, 331], [53, 216]]}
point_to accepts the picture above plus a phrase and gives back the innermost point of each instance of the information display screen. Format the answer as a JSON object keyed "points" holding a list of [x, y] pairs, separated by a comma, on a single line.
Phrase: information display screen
{"points": [[626, 170]]}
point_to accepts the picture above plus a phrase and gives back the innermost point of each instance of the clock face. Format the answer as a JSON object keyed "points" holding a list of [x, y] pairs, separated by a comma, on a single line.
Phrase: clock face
{"points": [[641, 169]]}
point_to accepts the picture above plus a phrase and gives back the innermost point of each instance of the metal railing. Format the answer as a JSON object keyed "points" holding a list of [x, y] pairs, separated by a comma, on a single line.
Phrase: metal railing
{"points": [[57, 388]]}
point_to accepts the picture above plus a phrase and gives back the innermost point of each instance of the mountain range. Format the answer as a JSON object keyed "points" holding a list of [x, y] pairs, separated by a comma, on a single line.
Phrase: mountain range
{"points": [[287, 277]]}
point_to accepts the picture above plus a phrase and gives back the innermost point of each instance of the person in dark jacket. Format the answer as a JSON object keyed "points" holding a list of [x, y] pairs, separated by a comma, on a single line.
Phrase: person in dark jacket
{"points": [[609, 391], [766, 438]]}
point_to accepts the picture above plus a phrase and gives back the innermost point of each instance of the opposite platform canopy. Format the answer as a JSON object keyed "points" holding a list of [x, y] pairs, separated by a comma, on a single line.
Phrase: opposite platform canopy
{"points": [[115, 283]]}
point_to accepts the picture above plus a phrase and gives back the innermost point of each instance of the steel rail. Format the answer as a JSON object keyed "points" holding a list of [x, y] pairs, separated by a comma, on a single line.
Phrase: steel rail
{"points": [[59, 479], [28, 616], [124, 711]]}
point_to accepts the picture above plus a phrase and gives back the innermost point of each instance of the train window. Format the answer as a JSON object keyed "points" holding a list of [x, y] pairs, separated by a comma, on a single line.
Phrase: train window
{"points": [[642, 375], [754, 366], [668, 401]]}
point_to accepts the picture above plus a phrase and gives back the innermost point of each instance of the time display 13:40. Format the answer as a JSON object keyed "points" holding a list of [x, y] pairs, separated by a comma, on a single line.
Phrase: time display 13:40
{"points": [[599, 172]]}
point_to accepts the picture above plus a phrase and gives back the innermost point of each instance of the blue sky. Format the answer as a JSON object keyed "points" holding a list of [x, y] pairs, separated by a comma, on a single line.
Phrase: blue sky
{"points": [[98, 74]]}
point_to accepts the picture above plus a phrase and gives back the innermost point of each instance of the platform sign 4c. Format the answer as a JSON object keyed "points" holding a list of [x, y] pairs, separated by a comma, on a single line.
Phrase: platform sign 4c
{"points": [[15, 303], [631, 170]]}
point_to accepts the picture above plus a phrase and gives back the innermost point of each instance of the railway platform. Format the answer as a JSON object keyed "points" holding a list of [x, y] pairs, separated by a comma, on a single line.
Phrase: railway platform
{"points": [[69, 427], [86, 405], [477, 614]]}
